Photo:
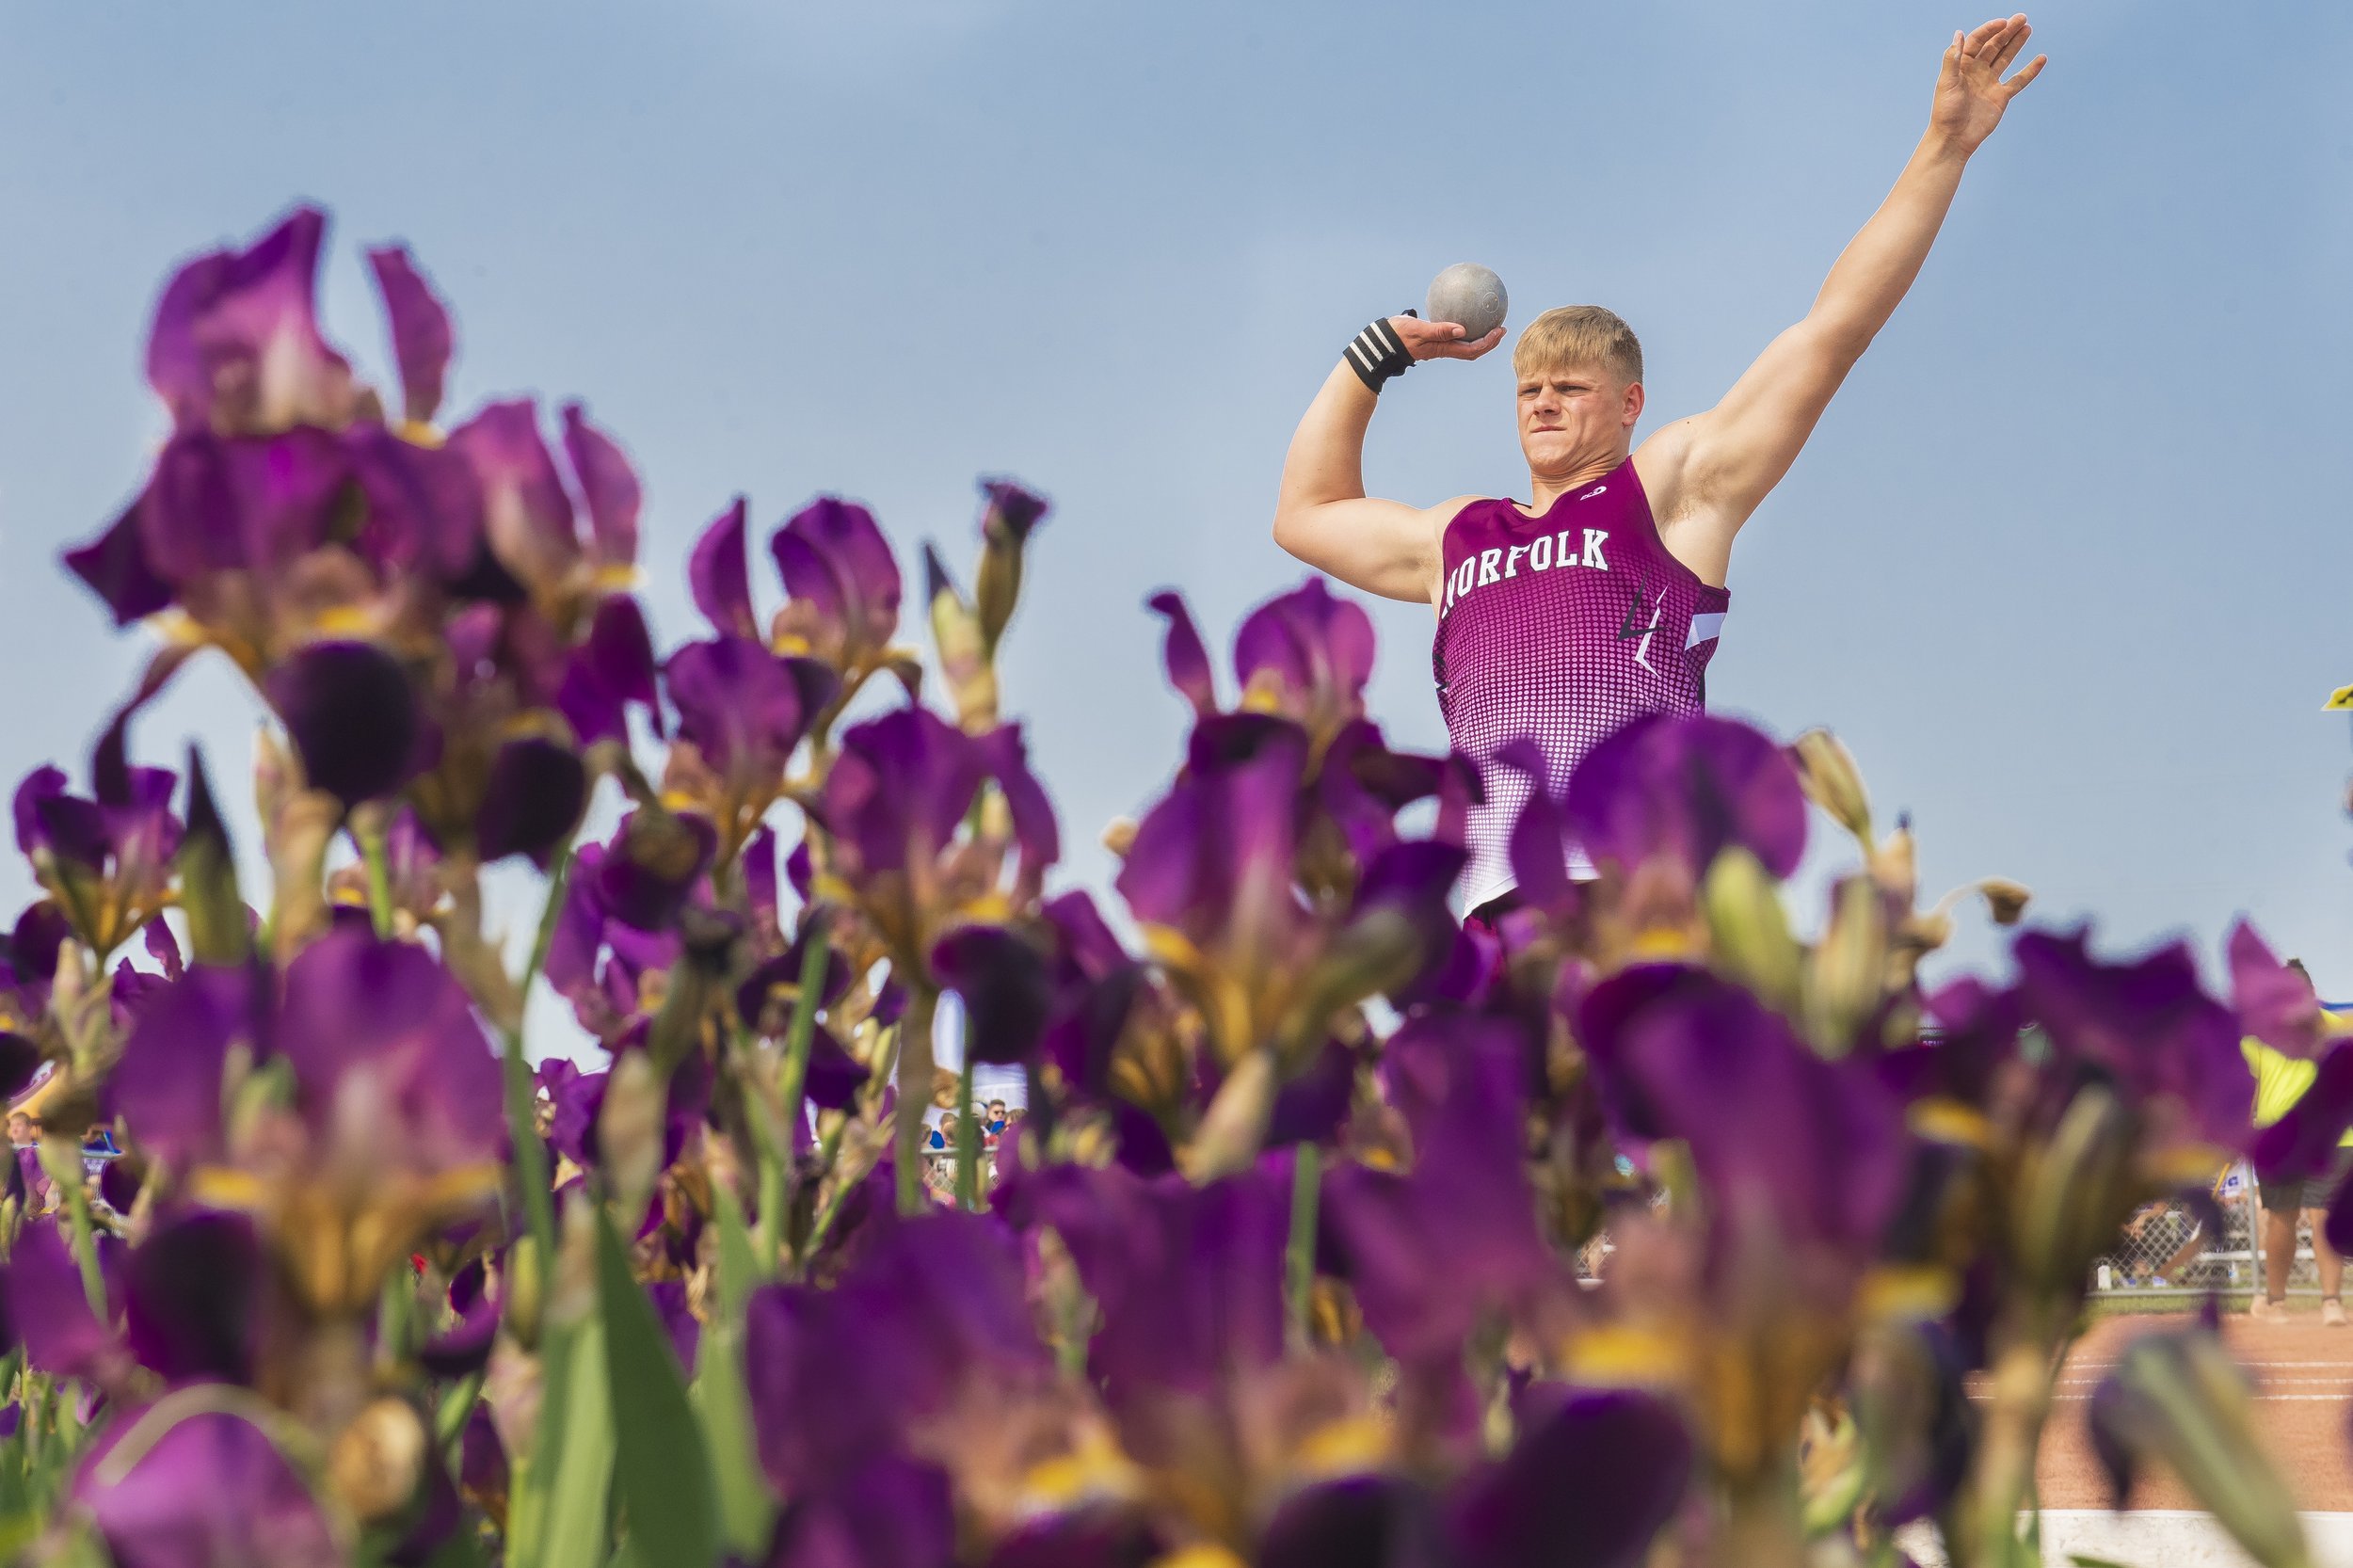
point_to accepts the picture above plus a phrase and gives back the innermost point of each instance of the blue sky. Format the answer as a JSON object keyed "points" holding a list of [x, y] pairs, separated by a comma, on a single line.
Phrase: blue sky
{"points": [[2063, 564]]}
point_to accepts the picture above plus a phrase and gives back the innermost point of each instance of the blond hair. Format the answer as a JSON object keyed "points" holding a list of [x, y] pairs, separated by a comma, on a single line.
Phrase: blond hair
{"points": [[1579, 336]]}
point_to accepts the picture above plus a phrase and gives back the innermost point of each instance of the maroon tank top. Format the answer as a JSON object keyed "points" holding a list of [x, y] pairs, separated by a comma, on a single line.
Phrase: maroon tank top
{"points": [[1558, 629]]}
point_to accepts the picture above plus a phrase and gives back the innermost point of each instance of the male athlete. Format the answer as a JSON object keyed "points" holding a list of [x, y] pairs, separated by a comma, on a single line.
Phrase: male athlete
{"points": [[1601, 599]]}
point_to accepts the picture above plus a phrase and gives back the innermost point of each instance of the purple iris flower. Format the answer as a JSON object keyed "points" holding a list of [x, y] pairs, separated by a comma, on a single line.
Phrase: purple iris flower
{"points": [[423, 339], [212, 1492], [1213, 874], [1687, 787], [1307, 654], [40, 1291], [611, 671], [844, 584], [106, 860], [237, 345], [894, 802], [1594, 1477], [527, 514], [608, 489], [396, 1126], [1213, 861], [2275, 1003], [2147, 1028], [533, 798], [1190, 1279], [1184, 656], [928, 1309], [1430, 1251], [746, 710], [1798, 1154], [1002, 977], [719, 576], [354, 717]]}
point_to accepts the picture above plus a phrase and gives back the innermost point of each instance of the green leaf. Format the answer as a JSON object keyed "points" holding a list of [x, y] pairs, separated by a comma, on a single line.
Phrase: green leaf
{"points": [[746, 1509], [530, 1467], [666, 1479], [578, 1430], [739, 1260], [2082, 1562]]}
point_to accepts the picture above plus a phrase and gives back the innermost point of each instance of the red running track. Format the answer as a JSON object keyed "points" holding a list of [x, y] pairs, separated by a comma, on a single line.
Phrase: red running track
{"points": [[2304, 1391]]}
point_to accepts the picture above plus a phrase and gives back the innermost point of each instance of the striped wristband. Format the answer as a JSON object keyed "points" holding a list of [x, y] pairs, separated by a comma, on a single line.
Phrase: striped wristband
{"points": [[1378, 352]]}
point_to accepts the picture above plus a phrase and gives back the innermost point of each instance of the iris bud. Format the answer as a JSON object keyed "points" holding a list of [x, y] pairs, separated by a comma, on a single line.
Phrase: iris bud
{"points": [[2077, 1189], [1847, 977], [962, 650], [1235, 1125], [526, 1292], [629, 1132], [2004, 899], [1831, 780], [1750, 931]]}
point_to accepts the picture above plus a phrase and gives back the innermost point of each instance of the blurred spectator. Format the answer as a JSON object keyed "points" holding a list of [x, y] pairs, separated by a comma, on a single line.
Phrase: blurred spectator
{"points": [[944, 1136], [22, 1130], [2279, 1082]]}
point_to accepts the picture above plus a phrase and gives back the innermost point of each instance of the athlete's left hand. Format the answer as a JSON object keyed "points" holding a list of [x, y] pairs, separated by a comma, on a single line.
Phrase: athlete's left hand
{"points": [[1969, 92]]}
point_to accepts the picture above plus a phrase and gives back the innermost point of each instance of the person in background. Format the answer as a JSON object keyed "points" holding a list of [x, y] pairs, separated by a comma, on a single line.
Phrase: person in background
{"points": [[996, 1123], [943, 1137], [2281, 1081], [21, 1129]]}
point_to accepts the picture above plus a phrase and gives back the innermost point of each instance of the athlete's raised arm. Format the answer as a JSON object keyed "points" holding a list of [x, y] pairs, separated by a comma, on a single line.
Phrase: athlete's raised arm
{"points": [[1323, 515], [1715, 467]]}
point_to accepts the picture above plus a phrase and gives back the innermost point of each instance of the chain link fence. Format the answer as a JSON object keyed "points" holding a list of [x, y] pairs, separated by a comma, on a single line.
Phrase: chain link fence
{"points": [[2167, 1248]]}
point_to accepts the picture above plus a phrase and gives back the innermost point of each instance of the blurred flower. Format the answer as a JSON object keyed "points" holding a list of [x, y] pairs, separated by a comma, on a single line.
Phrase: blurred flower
{"points": [[1211, 878], [2147, 1029], [905, 842], [423, 340], [393, 1129], [107, 861], [236, 344], [844, 587], [2274, 1003], [209, 1490]]}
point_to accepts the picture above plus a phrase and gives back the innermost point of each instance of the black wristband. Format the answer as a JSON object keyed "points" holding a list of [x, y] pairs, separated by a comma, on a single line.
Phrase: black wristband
{"points": [[1378, 352]]}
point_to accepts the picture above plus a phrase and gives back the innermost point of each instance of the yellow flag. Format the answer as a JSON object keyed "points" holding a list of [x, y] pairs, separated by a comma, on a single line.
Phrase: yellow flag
{"points": [[2340, 698]]}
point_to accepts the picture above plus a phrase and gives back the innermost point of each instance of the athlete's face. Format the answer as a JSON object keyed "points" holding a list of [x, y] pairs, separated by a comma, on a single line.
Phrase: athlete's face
{"points": [[1573, 416]]}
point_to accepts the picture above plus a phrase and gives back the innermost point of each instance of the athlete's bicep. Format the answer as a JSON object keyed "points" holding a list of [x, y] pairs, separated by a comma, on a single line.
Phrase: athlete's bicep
{"points": [[1382, 547], [1739, 450]]}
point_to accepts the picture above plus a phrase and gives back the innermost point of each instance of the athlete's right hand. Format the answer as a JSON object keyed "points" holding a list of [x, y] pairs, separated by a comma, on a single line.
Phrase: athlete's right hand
{"points": [[1440, 339]]}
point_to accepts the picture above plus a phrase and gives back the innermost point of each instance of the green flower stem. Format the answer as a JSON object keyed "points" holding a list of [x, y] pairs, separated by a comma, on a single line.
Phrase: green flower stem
{"points": [[396, 1314], [2020, 1387], [915, 1093], [372, 853], [522, 1095], [457, 1408], [1299, 1261], [827, 1148], [968, 1133], [768, 1236], [62, 1161], [801, 1031]]}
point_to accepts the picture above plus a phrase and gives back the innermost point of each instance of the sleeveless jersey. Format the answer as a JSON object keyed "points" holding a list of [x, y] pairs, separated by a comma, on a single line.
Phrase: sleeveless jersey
{"points": [[1559, 629]]}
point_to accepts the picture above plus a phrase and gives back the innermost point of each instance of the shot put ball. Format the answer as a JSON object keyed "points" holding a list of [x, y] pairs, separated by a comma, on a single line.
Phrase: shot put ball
{"points": [[1469, 294]]}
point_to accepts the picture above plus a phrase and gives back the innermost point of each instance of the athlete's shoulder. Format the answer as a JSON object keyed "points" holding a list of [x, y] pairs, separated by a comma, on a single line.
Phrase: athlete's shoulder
{"points": [[1662, 463]]}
